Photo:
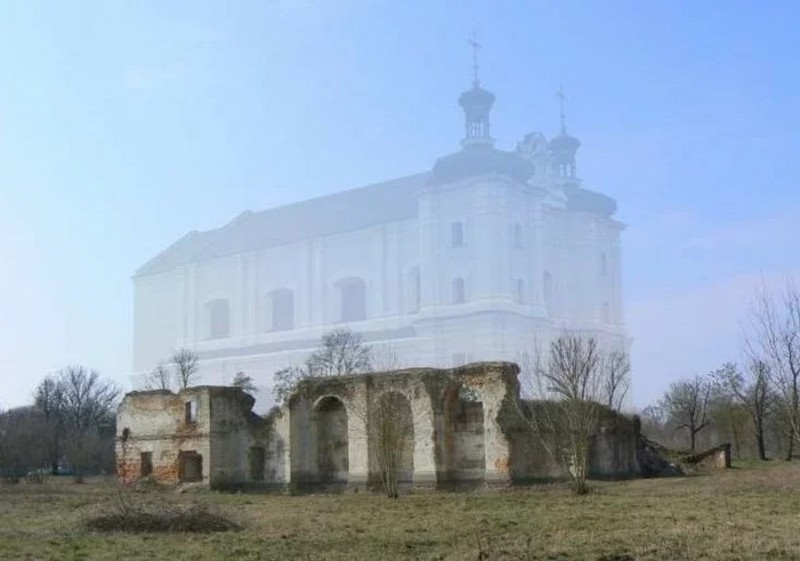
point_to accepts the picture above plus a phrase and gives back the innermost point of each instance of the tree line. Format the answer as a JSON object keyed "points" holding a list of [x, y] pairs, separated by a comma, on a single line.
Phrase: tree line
{"points": [[69, 428], [753, 404]]}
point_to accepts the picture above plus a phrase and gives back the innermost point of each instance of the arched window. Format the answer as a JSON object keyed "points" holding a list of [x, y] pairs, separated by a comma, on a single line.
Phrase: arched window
{"points": [[603, 264], [413, 290], [458, 291], [218, 313], [457, 234], [547, 290], [520, 292], [517, 235], [281, 305], [353, 299]]}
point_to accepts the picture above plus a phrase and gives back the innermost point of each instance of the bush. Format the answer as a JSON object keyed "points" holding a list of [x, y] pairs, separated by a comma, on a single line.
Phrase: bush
{"points": [[193, 519]]}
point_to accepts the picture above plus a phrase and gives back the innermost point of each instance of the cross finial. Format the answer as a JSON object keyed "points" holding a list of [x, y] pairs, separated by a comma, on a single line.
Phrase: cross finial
{"points": [[473, 42], [561, 97]]}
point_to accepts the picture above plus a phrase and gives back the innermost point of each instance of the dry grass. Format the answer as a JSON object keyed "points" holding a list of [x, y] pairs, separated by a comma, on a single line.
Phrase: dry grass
{"points": [[749, 513]]}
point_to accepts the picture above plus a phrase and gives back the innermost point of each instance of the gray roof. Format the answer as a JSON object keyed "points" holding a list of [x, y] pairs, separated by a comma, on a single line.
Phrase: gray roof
{"points": [[355, 209], [479, 160]]}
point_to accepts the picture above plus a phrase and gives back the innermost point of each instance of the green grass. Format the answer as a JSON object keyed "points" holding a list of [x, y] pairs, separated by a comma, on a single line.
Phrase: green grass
{"points": [[748, 513]]}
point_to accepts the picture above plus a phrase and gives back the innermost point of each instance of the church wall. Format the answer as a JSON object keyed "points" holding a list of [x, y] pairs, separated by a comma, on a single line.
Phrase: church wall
{"points": [[490, 325], [158, 314]]}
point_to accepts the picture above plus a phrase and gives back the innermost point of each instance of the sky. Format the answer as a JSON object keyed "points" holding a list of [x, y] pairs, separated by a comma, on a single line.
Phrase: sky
{"points": [[126, 124]]}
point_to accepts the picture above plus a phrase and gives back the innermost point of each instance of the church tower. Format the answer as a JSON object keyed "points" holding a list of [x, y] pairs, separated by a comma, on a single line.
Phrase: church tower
{"points": [[476, 103], [564, 147]]}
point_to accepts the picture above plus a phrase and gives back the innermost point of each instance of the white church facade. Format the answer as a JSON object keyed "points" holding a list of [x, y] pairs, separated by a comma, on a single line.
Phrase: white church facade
{"points": [[476, 259]]}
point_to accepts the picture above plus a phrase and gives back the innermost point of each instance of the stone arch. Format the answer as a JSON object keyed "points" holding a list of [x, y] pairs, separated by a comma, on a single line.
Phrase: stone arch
{"points": [[330, 418], [391, 435], [463, 455]]}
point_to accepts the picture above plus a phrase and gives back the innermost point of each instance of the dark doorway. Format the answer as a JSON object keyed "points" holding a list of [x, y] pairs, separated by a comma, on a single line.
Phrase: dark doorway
{"points": [[332, 443], [257, 458], [190, 468]]}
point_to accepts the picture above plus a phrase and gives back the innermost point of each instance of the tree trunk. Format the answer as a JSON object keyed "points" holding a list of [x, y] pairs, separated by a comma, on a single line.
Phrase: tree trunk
{"points": [[790, 447], [759, 430]]}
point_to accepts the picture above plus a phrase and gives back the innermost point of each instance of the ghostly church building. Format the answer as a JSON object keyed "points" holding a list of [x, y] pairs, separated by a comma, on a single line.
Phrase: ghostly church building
{"points": [[477, 259]]}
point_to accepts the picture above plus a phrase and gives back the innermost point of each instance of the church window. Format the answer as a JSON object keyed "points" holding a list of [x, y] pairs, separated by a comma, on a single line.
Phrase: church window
{"points": [[458, 291], [457, 234], [282, 309], [353, 293], [218, 319], [603, 264], [547, 289], [517, 235], [414, 290]]}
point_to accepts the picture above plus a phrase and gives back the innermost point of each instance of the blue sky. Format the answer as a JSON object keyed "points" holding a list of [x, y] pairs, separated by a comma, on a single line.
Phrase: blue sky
{"points": [[123, 125]]}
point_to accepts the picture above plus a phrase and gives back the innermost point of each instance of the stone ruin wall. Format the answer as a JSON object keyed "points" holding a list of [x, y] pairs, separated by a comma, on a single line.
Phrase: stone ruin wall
{"points": [[154, 422], [466, 428]]}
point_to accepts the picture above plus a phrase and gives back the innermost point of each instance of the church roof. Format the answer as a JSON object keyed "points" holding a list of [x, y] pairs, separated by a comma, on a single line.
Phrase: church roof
{"points": [[354, 209], [583, 200], [479, 160]]}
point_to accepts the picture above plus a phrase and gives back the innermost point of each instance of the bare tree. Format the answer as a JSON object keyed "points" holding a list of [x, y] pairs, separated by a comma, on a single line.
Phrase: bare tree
{"points": [[285, 380], [245, 383], [88, 407], [25, 440], [616, 378], [570, 382], [342, 352], [160, 378], [187, 369], [392, 433], [686, 405], [79, 409], [773, 338], [49, 399], [751, 391]]}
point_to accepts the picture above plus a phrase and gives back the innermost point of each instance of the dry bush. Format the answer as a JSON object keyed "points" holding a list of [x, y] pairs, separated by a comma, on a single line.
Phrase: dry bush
{"points": [[135, 518]]}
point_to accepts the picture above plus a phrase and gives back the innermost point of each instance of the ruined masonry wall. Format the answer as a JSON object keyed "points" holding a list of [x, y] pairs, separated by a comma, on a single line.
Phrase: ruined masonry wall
{"points": [[155, 422]]}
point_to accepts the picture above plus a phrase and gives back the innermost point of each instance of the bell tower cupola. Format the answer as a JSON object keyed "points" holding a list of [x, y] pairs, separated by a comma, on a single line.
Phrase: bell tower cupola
{"points": [[564, 147], [476, 103]]}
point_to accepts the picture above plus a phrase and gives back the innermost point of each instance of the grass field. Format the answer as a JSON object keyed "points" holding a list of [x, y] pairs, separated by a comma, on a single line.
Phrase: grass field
{"points": [[748, 513]]}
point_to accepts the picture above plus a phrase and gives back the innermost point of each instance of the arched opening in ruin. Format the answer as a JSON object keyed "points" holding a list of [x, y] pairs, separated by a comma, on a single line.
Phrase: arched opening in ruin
{"points": [[333, 463], [463, 443], [391, 433]]}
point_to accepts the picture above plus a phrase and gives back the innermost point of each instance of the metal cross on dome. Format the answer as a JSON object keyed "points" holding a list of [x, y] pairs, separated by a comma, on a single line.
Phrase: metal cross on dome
{"points": [[473, 42], [561, 97]]}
